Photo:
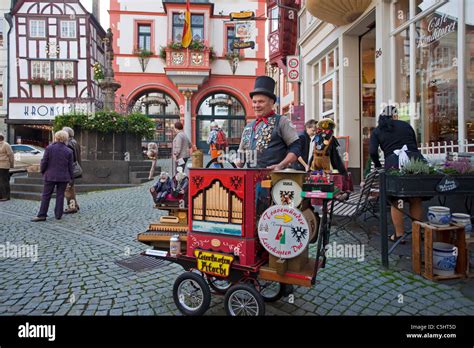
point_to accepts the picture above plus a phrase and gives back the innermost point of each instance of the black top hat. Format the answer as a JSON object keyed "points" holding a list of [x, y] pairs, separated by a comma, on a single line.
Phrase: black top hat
{"points": [[264, 85]]}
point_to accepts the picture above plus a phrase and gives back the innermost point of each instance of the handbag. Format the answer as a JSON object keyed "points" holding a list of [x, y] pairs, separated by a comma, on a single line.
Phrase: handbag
{"points": [[77, 170]]}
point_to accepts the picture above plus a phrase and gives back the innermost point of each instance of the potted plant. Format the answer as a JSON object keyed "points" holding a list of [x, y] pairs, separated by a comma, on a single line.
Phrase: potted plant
{"points": [[143, 56], [98, 72]]}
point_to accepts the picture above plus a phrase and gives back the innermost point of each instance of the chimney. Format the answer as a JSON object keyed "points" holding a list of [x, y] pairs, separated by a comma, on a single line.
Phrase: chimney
{"points": [[96, 9]]}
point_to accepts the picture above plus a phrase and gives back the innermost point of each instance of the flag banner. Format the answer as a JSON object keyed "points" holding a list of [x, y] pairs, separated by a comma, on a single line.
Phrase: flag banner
{"points": [[187, 34]]}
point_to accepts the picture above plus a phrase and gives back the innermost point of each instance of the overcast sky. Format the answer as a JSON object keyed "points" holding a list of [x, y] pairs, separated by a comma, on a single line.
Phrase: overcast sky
{"points": [[104, 14]]}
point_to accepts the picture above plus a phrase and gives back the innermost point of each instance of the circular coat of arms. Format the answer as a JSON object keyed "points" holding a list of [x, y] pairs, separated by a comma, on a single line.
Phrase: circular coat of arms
{"points": [[287, 192], [283, 231]]}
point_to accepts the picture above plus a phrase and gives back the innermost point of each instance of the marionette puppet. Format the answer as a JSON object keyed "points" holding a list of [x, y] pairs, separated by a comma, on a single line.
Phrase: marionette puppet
{"points": [[325, 152], [162, 188], [180, 184]]}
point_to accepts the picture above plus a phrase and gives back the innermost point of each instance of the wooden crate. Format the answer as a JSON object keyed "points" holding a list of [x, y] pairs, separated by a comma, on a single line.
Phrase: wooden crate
{"points": [[452, 234]]}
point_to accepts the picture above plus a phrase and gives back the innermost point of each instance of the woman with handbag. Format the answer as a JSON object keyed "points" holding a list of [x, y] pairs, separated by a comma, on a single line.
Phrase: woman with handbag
{"points": [[57, 169], [70, 194]]}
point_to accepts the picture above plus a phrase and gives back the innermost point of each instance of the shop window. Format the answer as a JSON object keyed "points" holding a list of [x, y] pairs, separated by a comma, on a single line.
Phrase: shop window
{"points": [[469, 17], [68, 29], [325, 86], [38, 28], [144, 37], [436, 76]]}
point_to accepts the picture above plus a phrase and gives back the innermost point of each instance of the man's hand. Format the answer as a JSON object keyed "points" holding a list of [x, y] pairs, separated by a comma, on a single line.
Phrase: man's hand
{"points": [[276, 167]]}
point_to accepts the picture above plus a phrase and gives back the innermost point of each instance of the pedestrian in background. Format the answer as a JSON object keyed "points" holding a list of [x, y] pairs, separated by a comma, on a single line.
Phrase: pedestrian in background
{"points": [[7, 161], [307, 146], [181, 148], [70, 193], [217, 141], [57, 169]]}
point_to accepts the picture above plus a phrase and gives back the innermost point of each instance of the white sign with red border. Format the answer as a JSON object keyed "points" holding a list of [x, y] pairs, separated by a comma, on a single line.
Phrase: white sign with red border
{"points": [[283, 231], [293, 68]]}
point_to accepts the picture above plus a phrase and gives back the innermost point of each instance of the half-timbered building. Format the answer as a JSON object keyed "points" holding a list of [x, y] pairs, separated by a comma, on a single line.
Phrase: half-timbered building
{"points": [[54, 45]]}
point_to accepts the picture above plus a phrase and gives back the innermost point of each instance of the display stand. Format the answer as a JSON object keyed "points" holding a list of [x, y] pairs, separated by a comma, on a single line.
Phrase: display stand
{"points": [[452, 234]]}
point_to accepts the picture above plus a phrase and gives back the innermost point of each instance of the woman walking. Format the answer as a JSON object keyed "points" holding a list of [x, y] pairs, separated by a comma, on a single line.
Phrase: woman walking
{"points": [[57, 169], [181, 148]]}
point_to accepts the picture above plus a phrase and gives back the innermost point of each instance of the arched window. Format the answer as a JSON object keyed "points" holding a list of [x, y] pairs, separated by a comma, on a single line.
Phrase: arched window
{"points": [[164, 111], [224, 109]]}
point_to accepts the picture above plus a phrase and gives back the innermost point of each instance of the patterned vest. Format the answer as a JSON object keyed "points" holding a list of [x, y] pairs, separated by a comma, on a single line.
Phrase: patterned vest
{"points": [[266, 140]]}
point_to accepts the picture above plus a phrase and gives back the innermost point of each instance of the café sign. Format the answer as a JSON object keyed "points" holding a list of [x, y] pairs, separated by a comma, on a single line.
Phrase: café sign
{"points": [[438, 27]]}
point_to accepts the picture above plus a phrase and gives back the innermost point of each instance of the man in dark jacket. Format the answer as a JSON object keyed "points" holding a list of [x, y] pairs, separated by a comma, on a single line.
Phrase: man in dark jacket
{"points": [[56, 167], [271, 140], [70, 194], [306, 138]]}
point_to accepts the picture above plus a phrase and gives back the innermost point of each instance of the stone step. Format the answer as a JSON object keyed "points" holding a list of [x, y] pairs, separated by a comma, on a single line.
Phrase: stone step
{"points": [[79, 188], [32, 196], [139, 181], [139, 175]]}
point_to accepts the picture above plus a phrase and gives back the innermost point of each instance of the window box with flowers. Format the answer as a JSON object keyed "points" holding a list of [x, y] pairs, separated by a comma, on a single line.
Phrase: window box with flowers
{"points": [[196, 55], [56, 82]]}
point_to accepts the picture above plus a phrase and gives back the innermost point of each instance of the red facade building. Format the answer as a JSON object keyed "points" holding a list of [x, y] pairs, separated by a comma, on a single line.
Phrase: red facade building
{"points": [[209, 81]]}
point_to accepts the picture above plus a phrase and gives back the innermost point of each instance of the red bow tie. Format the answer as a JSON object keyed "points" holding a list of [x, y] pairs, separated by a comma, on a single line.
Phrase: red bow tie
{"points": [[263, 119]]}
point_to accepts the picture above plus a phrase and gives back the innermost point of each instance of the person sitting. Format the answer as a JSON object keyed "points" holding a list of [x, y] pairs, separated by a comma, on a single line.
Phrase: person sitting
{"points": [[162, 188]]}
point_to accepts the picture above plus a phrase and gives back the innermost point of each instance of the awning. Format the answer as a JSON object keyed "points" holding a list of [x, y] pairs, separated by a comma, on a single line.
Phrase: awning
{"points": [[338, 12], [29, 122]]}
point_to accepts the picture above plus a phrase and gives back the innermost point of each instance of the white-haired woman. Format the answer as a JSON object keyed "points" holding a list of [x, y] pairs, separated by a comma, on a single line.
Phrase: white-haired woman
{"points": [[7, 160], [57, 169], [70, 194]]}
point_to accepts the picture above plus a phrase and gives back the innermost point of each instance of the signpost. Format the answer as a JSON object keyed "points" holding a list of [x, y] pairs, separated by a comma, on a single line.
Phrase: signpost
{"points": [[293, 68]]}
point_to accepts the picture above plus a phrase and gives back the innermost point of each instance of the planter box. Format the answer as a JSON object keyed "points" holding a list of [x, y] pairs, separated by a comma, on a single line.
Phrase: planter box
{"points": [[425, 185]]}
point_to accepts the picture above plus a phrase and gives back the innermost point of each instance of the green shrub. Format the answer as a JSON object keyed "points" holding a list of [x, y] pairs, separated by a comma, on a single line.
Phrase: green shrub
{"points": [[107, 122]]}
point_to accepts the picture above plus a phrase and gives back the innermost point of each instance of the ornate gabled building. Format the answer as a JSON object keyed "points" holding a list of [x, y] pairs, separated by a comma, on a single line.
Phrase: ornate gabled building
{"points": [[53, 47], [210, 81]]}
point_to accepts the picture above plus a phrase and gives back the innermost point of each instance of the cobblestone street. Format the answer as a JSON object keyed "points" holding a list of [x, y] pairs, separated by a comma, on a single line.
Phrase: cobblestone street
{"points": [[76, 273]]}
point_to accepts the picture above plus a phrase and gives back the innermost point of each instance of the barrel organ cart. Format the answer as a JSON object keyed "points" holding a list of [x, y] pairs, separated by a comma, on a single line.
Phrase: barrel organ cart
{"points": [[245, 234]]}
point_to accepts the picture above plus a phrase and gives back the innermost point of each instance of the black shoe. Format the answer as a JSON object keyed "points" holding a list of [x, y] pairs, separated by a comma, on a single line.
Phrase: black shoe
{"points": [[38, 218], [58, 218], [69, 211]]}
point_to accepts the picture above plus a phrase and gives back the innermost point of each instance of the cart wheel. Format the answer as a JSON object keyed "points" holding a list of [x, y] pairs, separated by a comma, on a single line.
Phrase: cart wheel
{"points": [[191, 294], [219, 285], [271, 291], [244, 299]]}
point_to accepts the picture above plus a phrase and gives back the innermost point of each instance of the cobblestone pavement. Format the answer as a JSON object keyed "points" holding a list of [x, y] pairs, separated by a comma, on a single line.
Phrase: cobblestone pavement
{"points": [[76, 273]]}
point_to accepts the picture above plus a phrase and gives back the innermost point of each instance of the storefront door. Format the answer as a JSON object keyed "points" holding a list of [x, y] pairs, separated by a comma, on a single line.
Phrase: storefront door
{"points": [[367, 80]]}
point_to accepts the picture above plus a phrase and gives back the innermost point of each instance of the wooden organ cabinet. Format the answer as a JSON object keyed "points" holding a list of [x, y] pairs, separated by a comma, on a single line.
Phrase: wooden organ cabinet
{"points": [[223, 212]]}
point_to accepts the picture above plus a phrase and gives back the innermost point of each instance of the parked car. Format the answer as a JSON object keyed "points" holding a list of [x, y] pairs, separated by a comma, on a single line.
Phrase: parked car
{"points": [[27, 155]]}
